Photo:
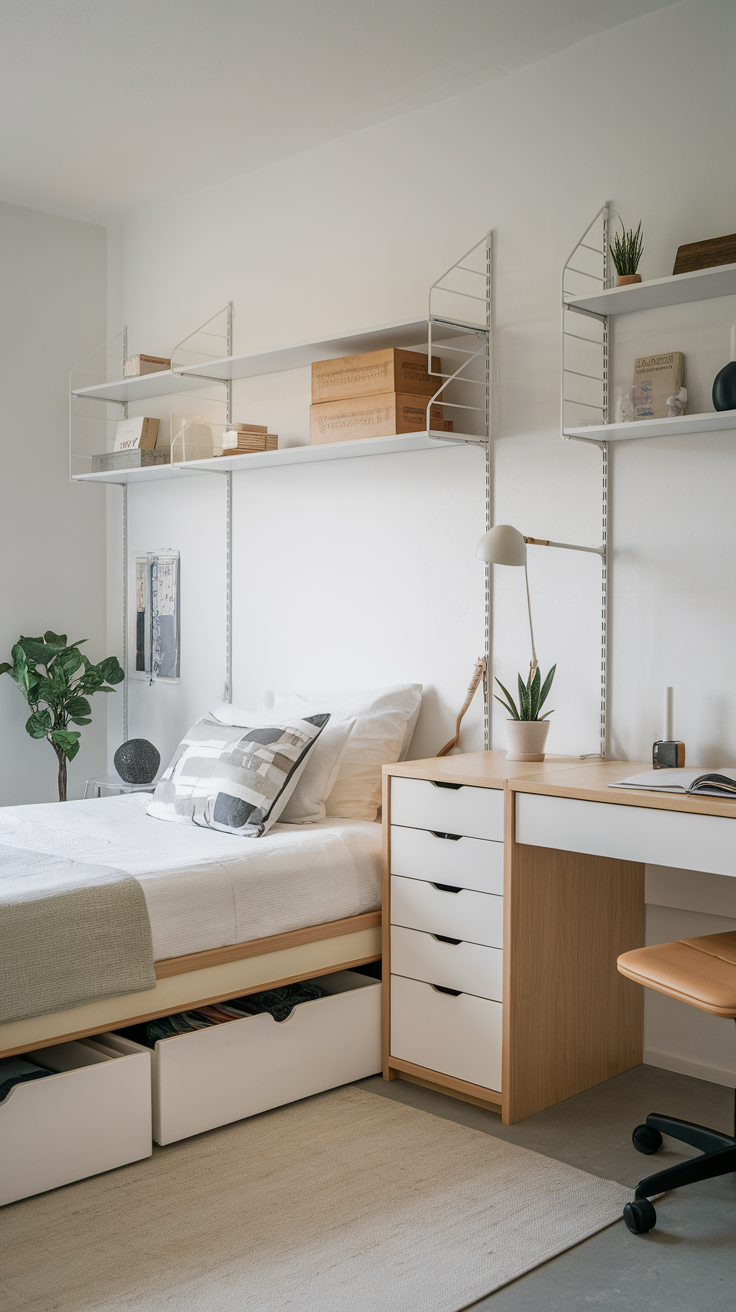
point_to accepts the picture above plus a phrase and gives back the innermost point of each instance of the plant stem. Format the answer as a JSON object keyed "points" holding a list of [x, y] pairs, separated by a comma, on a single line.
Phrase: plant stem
{"points": [[61, 758]]}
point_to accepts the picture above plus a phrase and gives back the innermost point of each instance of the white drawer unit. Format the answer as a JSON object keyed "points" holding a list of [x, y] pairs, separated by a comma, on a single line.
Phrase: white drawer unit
{"points": [[92, 1114], [627, 833], [458, 913], [455, 1034], [469, 967], [221, 1074], [435, 856], [454, 809]]}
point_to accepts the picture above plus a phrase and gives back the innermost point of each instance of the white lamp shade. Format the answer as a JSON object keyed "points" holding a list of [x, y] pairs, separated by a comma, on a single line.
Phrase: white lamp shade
{"points": [[502, 545]]}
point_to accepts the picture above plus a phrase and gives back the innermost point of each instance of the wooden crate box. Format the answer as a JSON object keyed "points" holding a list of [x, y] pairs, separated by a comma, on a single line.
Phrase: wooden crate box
{"points": [[392, 370], [385, 415]]}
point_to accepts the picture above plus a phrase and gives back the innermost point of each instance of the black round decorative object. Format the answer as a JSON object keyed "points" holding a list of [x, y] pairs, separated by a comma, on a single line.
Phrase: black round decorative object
{"points": [[724, 387], [137, 761]]}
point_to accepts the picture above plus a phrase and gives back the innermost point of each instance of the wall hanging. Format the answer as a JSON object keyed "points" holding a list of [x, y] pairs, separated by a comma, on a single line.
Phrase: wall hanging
{"points": [[156, 635]]}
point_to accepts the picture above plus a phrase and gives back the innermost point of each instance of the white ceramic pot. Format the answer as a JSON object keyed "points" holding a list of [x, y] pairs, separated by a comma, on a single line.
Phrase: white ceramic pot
{"points": [[526, 739]]}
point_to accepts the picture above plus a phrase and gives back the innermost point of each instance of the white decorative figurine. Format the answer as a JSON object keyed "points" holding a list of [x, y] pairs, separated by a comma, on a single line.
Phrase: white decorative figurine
{"points": [[676, 405]]}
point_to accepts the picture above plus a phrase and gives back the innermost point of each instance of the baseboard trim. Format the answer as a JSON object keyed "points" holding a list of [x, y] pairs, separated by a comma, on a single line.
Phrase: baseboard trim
{"points": [[666, 1062]]}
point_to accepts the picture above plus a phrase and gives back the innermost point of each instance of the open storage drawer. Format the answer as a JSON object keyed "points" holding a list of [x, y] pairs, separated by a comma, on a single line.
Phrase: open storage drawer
{"points": [[226, 1072], [92, 1114]]}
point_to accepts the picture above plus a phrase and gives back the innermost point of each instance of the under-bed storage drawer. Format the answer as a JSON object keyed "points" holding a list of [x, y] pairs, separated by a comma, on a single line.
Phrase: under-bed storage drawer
{"points": [[455, 965], [473, 812], [467, 862], [458, 913], [456, 1035], [92, 1114], [223, 1073]]}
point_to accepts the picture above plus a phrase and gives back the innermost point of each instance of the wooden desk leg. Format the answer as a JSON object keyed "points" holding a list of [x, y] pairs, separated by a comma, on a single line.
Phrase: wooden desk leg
{"points": [[570, 1020]]}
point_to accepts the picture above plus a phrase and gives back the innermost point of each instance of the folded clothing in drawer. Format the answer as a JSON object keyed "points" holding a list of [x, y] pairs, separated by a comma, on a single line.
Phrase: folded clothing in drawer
{"points": [[279, 1003], [16, 1070], [224, 1072], [90, 1113]]}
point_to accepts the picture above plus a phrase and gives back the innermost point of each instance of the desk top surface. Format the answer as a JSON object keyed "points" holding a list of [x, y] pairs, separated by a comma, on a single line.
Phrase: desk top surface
{"points": [[558, 776]]}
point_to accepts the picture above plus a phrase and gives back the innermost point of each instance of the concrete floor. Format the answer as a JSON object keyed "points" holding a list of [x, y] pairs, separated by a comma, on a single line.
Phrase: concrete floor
{"points": [[687, 1263]]}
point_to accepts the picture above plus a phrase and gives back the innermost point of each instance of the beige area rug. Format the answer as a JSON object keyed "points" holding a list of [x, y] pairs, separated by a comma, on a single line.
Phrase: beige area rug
{"points": [[347, 1202]]}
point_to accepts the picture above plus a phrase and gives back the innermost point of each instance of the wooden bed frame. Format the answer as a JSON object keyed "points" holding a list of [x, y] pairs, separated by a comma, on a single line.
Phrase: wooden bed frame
{"points": [[213, 976]]}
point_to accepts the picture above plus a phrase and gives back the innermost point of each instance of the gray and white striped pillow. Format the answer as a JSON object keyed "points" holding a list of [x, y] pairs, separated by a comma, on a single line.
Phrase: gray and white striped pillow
{"points": [[236, 778]]}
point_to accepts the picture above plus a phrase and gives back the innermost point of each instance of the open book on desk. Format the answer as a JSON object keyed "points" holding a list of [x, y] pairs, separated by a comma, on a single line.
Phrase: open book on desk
{"points": [[698, 782]]}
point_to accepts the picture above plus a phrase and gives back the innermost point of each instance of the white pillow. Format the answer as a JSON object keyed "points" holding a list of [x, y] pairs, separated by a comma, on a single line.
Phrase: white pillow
{"points": [[384, 724], [307, 802]]}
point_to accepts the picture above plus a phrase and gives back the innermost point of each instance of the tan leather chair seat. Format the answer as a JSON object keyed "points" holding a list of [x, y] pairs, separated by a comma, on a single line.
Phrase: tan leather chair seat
{"points": [[701, 971]]}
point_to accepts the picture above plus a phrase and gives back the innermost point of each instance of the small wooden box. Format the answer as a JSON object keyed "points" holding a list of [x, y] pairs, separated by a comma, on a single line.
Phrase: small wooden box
{"points": [[385, 415], [392, 370], [706, 254]]}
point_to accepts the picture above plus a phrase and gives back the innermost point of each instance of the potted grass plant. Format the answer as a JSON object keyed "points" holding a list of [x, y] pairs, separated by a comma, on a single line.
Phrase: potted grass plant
{"points": [[626, 253], [526, 730]]}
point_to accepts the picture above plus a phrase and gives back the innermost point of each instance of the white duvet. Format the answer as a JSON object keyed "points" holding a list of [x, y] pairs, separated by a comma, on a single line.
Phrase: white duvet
{"points": [[206, 889]]}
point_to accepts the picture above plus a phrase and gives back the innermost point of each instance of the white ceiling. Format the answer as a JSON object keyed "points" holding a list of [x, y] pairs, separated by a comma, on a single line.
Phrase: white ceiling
{"points": [[109, 104]]}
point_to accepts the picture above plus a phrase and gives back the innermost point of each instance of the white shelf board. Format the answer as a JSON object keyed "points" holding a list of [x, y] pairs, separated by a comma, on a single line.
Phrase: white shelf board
{"points": [[150, 473], [306, 455], [141, 388], [701, 285], [708, 423], [407, 332], [287, 455]]}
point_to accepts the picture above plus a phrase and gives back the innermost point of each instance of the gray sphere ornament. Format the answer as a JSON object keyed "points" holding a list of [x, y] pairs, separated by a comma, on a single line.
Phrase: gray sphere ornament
{"points": [[137, 761]]}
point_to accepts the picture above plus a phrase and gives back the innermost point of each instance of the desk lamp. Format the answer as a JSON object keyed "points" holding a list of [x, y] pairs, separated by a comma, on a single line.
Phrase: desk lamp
{"points": [[505, 545]]}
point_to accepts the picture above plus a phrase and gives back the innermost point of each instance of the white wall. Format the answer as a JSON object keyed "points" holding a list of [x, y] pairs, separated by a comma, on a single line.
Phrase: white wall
{"points": [[52, 534], [363, 572]]}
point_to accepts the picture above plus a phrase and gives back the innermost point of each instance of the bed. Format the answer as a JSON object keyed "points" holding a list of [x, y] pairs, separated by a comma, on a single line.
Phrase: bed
{"points": [[228, 915]]}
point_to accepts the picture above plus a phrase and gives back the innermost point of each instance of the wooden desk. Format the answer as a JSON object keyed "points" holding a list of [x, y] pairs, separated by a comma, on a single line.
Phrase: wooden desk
{"points": [[573, 899]]}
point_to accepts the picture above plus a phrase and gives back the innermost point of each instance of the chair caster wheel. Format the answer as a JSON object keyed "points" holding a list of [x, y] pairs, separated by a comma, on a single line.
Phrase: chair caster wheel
{"points": [[640, 1216], [646, 1140]]}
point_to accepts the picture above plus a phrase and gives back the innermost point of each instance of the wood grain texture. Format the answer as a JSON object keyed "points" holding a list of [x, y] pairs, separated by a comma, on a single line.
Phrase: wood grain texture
{"points": [[591, 783], [446, 1083], [479, 769], [258, 947], [487, 1104], [570, 1021], [705, 254]]}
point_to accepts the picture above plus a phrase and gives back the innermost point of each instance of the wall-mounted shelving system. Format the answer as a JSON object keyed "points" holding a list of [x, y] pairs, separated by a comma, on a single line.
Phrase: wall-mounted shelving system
{"points": [[459, 310], [589, 304]]}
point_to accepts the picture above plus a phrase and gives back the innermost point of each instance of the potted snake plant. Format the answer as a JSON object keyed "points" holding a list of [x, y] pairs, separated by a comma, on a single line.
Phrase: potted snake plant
{"points": [[526, 730]]}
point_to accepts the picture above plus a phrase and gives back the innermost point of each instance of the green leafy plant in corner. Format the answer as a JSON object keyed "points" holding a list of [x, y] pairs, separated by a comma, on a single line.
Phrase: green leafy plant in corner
{"points": [[56, 679], [532, 696], [627, 249]]}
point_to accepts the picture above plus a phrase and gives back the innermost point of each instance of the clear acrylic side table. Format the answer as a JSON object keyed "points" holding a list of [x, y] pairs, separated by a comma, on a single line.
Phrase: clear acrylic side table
{"points": [[109, 784]]}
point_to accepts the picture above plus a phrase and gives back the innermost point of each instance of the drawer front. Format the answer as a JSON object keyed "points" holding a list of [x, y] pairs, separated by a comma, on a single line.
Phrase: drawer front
{"points": [[476, 917], [465, 966], [458, 1036], [628, 833], [75, 1123], [465, 862], [472, 812], [224, 1073]]}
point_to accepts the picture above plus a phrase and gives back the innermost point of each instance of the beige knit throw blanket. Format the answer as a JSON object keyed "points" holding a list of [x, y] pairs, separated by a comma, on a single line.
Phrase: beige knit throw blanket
{"points": [[69, 933]]}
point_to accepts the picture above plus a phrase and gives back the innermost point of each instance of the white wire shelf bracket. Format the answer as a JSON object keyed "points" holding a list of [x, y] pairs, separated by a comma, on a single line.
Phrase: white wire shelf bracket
{"points": [[468, 279], [584, 388]]}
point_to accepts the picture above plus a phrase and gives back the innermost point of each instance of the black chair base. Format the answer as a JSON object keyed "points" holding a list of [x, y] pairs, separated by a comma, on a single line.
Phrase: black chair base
{"points": [[718, 1158]]}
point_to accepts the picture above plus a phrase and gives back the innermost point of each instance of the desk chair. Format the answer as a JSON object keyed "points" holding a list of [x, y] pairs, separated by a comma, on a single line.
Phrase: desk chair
{"points": [[701, 971]]}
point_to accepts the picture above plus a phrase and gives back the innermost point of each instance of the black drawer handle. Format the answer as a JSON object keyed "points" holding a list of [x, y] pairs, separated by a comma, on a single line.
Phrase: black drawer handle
{"points": [[436, 784], [446, 888], [440, 988], [454, 838], [442, 938]]}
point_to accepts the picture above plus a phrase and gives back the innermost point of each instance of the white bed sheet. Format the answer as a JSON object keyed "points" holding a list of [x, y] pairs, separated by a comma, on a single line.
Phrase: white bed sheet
{"points": [[206, 889]]}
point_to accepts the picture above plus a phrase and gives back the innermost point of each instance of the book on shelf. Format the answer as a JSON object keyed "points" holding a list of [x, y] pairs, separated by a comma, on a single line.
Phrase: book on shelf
{"points": [[656, 377], [693, 782], [248, 428], [137, 434]]}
